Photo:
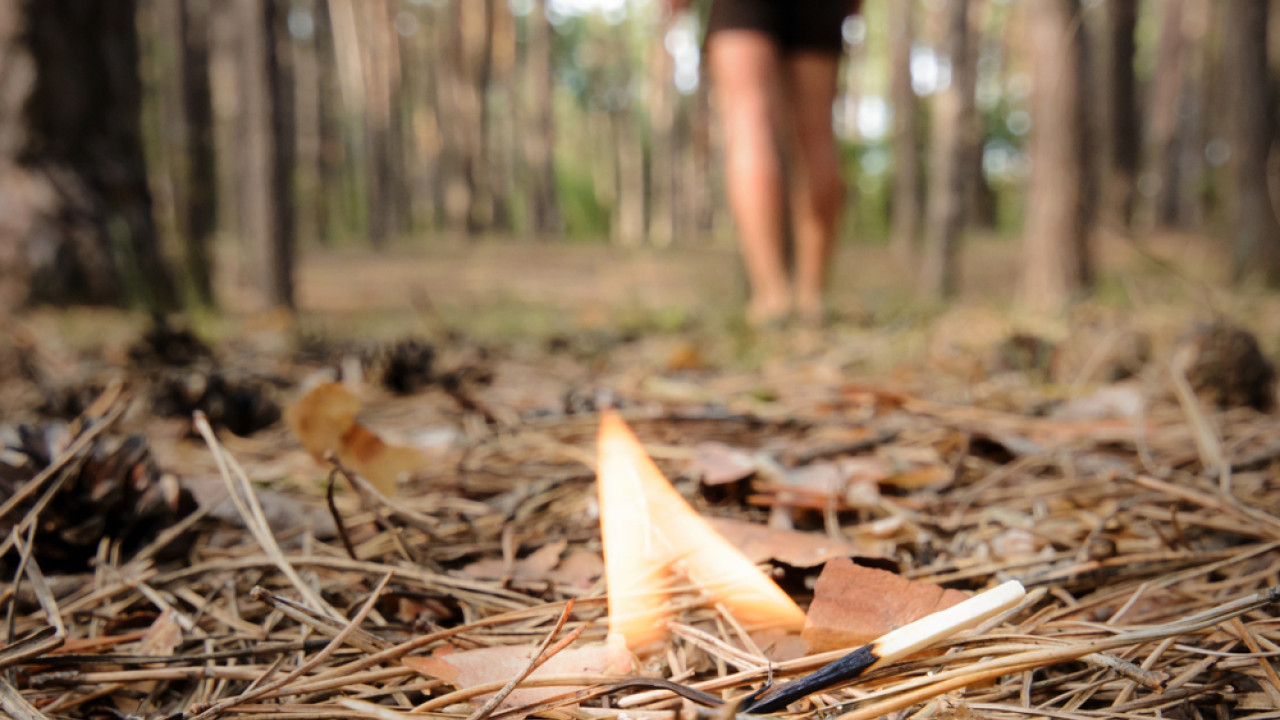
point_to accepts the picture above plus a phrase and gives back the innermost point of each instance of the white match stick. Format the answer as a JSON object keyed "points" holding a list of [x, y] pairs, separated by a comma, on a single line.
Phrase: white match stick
{"points": [[894, 645], [929, 629]]}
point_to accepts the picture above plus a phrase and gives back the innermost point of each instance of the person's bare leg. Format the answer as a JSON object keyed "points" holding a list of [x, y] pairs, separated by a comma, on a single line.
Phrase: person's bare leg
{"points": [[819, 191], [744, 68]]}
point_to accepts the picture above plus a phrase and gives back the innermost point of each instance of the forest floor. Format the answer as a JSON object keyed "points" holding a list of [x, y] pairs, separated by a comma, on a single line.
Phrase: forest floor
{"points": [[1117, 460]]}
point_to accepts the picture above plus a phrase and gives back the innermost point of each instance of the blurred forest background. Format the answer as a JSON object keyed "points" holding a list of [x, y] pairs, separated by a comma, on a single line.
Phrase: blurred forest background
{"points": [[153, 151]]}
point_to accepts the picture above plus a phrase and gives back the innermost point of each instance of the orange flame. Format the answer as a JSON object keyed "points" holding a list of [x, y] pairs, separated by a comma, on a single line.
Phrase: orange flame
{"points": [[650, 531]]}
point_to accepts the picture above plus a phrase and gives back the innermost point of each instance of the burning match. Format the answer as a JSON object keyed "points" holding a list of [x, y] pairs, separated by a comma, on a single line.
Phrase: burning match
{"points": [[894, 645], [649, 532]]}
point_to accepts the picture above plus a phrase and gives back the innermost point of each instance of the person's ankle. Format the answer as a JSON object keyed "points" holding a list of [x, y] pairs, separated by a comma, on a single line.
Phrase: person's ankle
{"points": [[765, 311]]}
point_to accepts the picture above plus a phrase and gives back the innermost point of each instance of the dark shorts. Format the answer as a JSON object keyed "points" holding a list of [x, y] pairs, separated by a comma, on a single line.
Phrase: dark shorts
{"points": [[794, 24]]}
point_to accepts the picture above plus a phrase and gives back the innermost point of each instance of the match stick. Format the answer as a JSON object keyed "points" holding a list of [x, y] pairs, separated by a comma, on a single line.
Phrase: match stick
{"points": [[894, 645]]}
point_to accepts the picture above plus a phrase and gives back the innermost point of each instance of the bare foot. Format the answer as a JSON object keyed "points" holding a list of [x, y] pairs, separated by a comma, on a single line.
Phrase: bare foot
{"points": [[811, 312]]}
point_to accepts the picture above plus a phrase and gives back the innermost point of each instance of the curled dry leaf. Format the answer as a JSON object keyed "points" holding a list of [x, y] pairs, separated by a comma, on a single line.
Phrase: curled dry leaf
{"points": [[325, 421], [853, 605], [761, 543], [498, 664]]}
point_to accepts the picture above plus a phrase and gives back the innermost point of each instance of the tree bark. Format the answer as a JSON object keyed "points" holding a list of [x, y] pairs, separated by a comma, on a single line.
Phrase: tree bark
{"points": [[199, 209], [1057, 257], [955, 139], [906, 154], [539, 141], [267, 152], [1255, 234], [1165, 126], [75, 207], [1125, 141], [661, 109], [379, 49]]}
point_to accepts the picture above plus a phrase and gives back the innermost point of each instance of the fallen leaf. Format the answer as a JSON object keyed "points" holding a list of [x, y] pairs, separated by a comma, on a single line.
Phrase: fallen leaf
{"points": [[160, 640], [579, 568], [324, 419], [1112, 401], [468, 668], [536, 567], [718, 464], [853, 605], [163, 637], [761, 543]]}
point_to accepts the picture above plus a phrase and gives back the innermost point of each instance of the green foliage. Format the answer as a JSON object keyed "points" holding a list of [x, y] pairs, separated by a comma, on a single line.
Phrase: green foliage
{"points": [[584, 215], [865, 168]]}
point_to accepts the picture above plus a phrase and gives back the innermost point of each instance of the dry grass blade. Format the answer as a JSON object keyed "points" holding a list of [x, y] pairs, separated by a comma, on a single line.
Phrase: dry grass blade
{"points": [[544, 652], [241, 493], [17, 706], [313, 662]]}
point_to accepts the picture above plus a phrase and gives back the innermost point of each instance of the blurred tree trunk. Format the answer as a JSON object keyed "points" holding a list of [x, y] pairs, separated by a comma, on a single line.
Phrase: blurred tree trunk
{"points": [[539, 139], [1165, 125], [1255, 234], [475, 33], [955, 139], [266, 151], [309, 119], [379, 50], [661, 108], [424, 144], [700, 189], [1057, 256], [453, 113], [906, 154], [627, 223], [1125, 143], [75, 210], [501, 99], [199, 208]]}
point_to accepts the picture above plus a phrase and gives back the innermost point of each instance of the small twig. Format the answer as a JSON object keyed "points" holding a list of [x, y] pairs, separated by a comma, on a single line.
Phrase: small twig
{"points": [[544, 652], [12, 702], [305, 667], [246, 502], [337, 516]]}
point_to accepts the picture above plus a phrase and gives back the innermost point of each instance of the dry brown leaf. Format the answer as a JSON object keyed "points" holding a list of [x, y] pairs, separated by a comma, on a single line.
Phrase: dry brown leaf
{"points": [[761, 543], [853, 605], [325, 421], [718, 464], [163, 637], [536, 567], [579, 568], [160, 640], [493, 664]]}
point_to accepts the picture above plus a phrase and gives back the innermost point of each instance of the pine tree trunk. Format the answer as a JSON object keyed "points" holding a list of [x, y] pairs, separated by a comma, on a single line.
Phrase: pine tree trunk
{"points": [[73, 183], [267, 152], [662, 151], [199, 209], [1125, 141], [955, 140], [1057, 260], [539, 141], [1254, 230], [906, 154], [1165, 125]]}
